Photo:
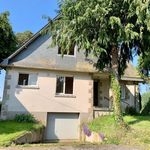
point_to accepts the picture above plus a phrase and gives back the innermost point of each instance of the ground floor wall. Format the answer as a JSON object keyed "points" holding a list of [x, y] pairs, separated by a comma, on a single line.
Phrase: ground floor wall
{"points": [[42, 97]]}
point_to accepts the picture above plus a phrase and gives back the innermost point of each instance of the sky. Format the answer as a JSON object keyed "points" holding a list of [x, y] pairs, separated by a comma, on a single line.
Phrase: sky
{"points": [[28, 15]]}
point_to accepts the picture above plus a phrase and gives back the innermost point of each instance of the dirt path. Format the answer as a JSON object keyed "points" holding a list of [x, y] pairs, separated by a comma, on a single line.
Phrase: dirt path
{"points": [[81, 147]]}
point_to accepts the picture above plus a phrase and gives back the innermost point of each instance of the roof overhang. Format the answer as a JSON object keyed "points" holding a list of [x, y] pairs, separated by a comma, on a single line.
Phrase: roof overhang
{"points": [[137, 79]]}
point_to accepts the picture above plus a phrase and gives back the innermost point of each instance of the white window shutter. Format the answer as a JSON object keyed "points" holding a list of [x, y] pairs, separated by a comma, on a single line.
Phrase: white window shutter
{"points": [[33, 79]]}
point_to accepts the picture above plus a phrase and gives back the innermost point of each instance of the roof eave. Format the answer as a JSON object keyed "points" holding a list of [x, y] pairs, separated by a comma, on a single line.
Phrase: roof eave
{"points": [[137, 79]]}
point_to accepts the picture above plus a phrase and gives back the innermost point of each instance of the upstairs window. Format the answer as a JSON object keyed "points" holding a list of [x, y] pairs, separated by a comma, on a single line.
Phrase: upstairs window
{"points": [[64, 85], [27, 79], [69, 52]]}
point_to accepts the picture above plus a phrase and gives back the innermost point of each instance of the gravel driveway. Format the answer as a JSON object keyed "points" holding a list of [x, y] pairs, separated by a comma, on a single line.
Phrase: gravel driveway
{"points": [[81, 147]]}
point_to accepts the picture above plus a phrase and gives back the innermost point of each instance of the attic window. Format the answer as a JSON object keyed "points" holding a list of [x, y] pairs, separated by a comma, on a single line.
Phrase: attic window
{"points": [[69, 52]]}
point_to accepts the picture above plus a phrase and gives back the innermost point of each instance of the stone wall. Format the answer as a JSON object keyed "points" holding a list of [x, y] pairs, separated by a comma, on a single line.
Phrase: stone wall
{"points": [[4, 108], [30, 137]]}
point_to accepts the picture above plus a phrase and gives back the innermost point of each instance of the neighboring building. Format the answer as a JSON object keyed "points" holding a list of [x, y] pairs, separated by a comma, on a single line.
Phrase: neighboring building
{"points": [[60, 92]]}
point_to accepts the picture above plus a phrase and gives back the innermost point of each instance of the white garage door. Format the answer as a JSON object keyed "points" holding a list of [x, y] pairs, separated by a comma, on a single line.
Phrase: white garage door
{"points": [[62, 126]]}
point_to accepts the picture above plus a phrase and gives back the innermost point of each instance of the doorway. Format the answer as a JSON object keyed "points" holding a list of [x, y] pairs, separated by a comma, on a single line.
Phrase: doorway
{"points": [[95, 92]]}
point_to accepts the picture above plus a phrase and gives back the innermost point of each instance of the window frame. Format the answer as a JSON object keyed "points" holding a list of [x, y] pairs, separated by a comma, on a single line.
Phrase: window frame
{"points": [[64, 86], [28, 86], [67, 55], [25, 81]]}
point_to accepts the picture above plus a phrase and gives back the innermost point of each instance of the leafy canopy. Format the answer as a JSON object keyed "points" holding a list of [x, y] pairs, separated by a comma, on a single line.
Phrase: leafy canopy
{"points": [[144, 64], [96, 26], [22, 37], [7, 37]]}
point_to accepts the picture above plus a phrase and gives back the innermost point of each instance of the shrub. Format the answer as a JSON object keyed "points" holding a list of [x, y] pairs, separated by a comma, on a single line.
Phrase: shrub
{"points": [[130, 111], [145, 104], [25, 118]]}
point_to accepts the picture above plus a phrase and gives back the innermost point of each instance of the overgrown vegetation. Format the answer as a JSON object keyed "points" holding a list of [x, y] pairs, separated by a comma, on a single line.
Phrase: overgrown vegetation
{"points": [[139, 126], [10, 130], [111, 30], [145, 104], [28, 118], [144, 65], [131, 111]]}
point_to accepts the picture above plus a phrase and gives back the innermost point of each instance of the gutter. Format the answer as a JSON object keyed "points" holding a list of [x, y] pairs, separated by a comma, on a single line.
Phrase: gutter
{"points": [[138, 79]]}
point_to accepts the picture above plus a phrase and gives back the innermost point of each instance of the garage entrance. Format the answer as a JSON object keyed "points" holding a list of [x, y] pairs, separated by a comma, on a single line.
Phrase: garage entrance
{"points": [[62, 126]]}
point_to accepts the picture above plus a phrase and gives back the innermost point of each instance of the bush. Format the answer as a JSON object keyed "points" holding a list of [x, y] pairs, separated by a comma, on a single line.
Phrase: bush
{"points": [[130, 111], [145, 104], [25, 118]]}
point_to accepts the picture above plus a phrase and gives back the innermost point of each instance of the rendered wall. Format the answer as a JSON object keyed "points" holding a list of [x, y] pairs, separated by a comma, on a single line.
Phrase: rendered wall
{"points": [[42, 98]]}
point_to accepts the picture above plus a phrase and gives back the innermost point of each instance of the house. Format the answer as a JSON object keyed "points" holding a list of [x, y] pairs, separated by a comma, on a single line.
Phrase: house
{"points": [[60, 92]]}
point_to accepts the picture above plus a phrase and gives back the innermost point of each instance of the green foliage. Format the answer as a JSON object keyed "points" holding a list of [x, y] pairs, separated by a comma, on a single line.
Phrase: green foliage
{"points": [[139, 125], [116, 89], [22, 37], [94, 26], [130, 111], [25, 118], [10, 130], [144, 64], [103, 28], [7, 37], [145, 104]]}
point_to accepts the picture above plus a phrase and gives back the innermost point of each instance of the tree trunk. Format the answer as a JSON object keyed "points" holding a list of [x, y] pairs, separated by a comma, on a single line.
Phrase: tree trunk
{"points": [[116, 87]]}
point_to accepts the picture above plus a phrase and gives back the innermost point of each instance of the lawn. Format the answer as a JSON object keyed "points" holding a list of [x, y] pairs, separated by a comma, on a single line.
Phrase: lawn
{"points": [[10, 130], [138, 134]]}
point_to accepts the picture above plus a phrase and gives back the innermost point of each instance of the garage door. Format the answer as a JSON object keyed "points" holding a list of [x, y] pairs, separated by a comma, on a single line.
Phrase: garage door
{"points": [[62, 126]]}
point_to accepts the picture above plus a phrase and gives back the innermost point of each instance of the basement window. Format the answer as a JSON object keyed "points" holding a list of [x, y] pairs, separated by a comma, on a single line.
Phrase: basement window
{"points": [[64, 85]]}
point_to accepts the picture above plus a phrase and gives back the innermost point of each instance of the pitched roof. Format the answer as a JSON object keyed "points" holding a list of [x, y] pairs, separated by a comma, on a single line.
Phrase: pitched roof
{"points": [[28, 42], [130, 74]]}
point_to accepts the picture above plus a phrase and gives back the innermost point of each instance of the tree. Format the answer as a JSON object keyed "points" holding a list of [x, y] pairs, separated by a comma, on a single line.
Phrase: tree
{"points": [[109, 29], [144, 64], [145, 103], [7, 37], [22, 37]]}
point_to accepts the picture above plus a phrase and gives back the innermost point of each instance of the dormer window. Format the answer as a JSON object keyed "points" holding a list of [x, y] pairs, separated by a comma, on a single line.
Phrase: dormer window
{"points": [[69, 52]]}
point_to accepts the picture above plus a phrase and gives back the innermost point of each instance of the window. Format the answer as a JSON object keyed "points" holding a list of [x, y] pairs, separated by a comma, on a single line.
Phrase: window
{"points": [[27, 79], [23, 79], [69, 52], [64, 85], [123, 92]]}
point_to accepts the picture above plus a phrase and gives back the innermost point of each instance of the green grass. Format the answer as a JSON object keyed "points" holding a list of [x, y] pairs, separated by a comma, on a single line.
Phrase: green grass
{"points": [[10, 130], [138, 134]]}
